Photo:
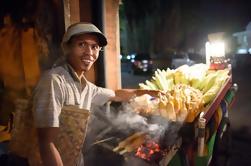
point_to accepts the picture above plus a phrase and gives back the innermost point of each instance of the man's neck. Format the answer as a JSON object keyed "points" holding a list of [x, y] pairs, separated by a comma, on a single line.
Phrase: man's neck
{"points": [[78, 75]]}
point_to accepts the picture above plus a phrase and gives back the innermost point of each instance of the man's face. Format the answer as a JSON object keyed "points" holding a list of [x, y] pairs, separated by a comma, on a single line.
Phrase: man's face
{"points": [[83, 52]]}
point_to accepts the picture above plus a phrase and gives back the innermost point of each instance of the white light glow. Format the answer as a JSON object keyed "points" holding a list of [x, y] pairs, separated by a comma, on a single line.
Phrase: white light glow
{"points": [[242, 51], [207, 53], [128, 57], [214, 49]]}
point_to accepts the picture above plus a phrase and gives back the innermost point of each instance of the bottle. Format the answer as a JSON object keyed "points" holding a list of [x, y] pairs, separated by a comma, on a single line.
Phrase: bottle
{"points": [[231, 93]]}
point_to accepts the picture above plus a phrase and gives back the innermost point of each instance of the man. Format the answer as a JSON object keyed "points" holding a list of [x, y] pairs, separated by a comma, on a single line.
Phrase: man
{"points": [[67, 85]]}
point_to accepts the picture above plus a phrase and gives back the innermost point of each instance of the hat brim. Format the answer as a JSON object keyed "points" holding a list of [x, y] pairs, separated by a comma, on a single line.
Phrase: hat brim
{"points": [[102, 39]]}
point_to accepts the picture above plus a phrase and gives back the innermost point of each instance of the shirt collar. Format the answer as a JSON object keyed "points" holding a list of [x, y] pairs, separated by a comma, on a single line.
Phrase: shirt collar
{"points": [[81, 79]]}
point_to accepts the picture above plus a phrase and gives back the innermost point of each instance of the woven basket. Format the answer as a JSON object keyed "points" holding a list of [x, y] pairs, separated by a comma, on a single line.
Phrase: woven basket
{"points": [[72, 131], [73, 122]]}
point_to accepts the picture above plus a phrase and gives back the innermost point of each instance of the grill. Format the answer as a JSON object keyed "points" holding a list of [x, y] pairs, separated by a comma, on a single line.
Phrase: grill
{"points": [[154, 142]]}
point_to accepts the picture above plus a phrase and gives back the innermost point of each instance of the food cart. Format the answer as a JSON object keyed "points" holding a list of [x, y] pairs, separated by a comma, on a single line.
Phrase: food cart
{"points": [[217, 123], [193, 142]]}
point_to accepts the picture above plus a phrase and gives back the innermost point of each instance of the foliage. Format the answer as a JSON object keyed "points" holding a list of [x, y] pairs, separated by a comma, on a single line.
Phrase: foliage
{"points": [[158, 26]]}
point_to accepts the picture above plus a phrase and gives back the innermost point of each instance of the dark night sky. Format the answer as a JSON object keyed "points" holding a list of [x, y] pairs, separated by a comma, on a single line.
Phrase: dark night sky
{"points": [[210, 16], [229, 15], [186, 23]]}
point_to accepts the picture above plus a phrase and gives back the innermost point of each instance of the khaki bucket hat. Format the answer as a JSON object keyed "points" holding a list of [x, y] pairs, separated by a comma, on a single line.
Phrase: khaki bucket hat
{"points": [[82, 28]]}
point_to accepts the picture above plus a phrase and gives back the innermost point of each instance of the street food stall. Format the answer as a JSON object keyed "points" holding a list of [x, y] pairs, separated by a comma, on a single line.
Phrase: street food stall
{"points": [[179, 125], [186, 122], [176, 118]]}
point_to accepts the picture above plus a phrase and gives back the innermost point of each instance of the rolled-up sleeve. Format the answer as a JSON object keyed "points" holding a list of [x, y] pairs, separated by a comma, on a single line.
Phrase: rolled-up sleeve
{"points": [[48, 101], [102, 95]]}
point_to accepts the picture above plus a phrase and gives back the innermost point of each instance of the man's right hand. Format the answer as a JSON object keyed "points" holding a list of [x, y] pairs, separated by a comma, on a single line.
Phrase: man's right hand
{"points": [[49, 153]]}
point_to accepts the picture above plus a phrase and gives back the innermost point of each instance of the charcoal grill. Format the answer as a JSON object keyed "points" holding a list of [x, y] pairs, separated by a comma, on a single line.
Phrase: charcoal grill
{"points": [[169, 141]]}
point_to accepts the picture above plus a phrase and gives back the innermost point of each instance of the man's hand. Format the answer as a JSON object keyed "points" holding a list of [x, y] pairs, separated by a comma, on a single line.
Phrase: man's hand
{"points": [[49, 153]]}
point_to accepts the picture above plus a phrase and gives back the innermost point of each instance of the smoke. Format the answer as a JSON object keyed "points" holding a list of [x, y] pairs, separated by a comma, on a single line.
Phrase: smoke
{"points": [[124, 119], [119, 120], [129, 120]]}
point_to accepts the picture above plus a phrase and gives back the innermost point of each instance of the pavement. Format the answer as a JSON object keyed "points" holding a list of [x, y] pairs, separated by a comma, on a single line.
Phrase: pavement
{"points": [[240, 118]]}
